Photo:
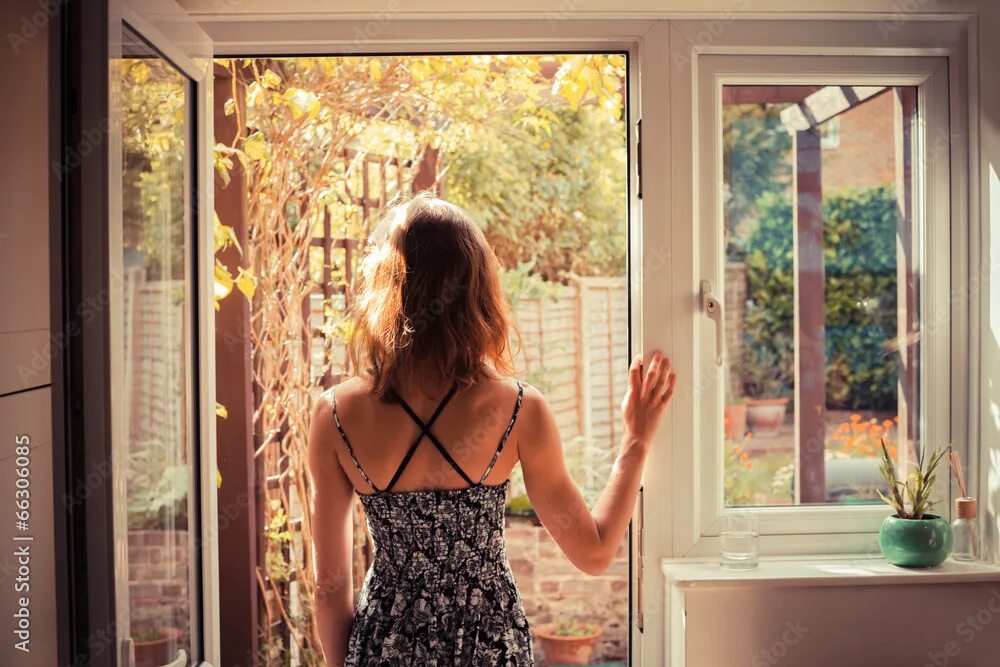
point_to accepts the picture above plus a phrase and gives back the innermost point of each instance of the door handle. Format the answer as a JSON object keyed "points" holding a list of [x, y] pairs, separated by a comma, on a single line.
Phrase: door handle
{"points": [[713, 308], [127, 657]]}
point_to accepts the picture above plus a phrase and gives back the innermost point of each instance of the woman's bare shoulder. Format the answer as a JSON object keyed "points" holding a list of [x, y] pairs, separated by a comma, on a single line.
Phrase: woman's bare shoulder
{"points": [[351, 394]]}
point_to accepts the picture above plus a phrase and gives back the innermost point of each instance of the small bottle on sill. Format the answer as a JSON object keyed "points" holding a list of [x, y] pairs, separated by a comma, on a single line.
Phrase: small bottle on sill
{"points": [[967, 546]]}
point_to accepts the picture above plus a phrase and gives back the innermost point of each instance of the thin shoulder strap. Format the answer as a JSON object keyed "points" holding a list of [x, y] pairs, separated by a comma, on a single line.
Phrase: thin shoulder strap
{"points": [[424, 429], [350, 450], [506, 433]]}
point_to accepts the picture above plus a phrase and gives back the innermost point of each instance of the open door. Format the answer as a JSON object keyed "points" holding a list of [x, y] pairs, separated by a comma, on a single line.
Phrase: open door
{"points": [[140, 439]]}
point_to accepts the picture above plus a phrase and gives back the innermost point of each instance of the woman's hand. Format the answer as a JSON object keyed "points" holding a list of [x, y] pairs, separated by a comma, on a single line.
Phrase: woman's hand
{"points": [[650, 388], [592, 537]]}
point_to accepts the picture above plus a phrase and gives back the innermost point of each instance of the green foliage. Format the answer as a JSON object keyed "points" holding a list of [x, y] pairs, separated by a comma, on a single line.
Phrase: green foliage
{"points": [[860, 262], [154, 133], [551, 196], [755, 158], [157, 486], [739, 485], [574, 627], [916, 490]]}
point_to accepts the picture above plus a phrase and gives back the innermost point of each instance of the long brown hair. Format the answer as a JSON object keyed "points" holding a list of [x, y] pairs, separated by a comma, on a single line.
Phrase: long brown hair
{"points": [[429, 297]]}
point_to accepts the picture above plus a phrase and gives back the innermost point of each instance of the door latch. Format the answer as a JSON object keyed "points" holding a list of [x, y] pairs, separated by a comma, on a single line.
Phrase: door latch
{"points": [[713, 308]]}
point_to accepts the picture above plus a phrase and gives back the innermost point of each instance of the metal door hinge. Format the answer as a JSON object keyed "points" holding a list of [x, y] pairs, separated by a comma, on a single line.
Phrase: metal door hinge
{"points": [[639, 601], [638, 157]]}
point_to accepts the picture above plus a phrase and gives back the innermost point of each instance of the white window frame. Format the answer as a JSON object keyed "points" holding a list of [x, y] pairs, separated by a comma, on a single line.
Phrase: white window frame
{"points": [[812, 52]]}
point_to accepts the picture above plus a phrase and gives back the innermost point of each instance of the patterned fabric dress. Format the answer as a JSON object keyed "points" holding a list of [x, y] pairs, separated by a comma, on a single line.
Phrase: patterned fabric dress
{"points": [[440, 590]]}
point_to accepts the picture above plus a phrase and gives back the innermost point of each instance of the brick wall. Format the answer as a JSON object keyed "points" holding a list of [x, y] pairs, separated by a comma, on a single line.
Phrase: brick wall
{"points": [[551, 587], [865, 155], [158, 578]]}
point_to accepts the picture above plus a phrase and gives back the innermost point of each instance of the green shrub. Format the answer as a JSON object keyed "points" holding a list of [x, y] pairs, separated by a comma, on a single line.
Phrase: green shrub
{"points": [[860, 263]]}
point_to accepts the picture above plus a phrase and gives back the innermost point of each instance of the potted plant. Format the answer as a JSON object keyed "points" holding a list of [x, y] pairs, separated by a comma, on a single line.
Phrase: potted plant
{"points": [[764, 383], [913, 537], [154, 646], [519, 507], [735, 419], [569, 641]]}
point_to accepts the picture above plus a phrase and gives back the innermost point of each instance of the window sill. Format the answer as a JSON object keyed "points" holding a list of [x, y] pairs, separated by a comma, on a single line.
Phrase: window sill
{"points": [[858, 570]]}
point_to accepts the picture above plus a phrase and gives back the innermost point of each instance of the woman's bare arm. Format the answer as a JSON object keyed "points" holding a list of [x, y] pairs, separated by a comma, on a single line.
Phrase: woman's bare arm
{"points": [[330, 504], [590, 538]]}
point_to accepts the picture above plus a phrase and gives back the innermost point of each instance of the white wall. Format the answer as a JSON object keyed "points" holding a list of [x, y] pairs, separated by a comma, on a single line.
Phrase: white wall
{"points": [[898, 625]]}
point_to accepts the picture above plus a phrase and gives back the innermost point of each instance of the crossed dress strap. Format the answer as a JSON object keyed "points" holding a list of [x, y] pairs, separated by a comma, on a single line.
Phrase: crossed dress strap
{"points": [[409, 453], [506, 433], [425, 431]]}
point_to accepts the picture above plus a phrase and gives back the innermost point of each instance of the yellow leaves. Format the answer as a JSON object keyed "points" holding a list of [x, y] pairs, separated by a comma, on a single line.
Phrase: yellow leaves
{"points": [[218, 479], [140, 72], [225, 236], [223, 283], [270, 79], [593, 78], [229, 107], [420, 69], [375, 72], [221, 411], [255, 147], [255, 93], [475, 76], [302, 102], [246, 283], [571, 90]]}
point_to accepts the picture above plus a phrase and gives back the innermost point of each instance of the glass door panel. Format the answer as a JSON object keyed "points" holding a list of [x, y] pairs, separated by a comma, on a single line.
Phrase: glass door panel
{"points": [[158, 336]]}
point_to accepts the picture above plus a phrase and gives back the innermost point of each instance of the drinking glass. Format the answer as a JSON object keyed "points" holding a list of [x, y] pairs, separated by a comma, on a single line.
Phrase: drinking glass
{"points": [[738, 540]]}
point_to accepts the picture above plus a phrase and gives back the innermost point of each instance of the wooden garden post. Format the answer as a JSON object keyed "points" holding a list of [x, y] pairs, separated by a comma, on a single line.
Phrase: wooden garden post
{"points": [[810, 318], [237, 524]]}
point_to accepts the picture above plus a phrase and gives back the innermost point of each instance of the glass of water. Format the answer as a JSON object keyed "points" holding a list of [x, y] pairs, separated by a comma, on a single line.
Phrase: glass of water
{"points": [[738, 540]]}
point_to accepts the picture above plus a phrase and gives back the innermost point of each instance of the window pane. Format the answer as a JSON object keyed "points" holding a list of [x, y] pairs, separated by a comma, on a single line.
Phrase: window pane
{"points": [[821, 298], [158, 334]]}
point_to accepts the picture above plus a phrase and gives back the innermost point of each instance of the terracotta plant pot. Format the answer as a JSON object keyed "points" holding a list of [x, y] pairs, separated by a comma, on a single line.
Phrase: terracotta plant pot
{"points": [[562, 650], [736, 420], [766, 415], [157, 652]]}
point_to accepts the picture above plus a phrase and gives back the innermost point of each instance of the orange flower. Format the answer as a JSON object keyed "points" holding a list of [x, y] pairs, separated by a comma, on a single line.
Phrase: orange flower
{"points": [[855, 417], [887, 424], [749, 465], [896, 419], [749, 435]]}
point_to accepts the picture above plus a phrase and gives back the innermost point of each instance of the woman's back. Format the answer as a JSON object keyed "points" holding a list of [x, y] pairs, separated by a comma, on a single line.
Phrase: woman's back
{"points": [[469, 427]]}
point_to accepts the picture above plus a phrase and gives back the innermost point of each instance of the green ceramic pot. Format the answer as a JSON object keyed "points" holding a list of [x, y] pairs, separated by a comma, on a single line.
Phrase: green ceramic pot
{"points": [[915, 542]]}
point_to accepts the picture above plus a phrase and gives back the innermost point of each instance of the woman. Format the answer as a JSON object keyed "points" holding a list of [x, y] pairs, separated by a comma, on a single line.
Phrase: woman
{"points": [[427, 437]]}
